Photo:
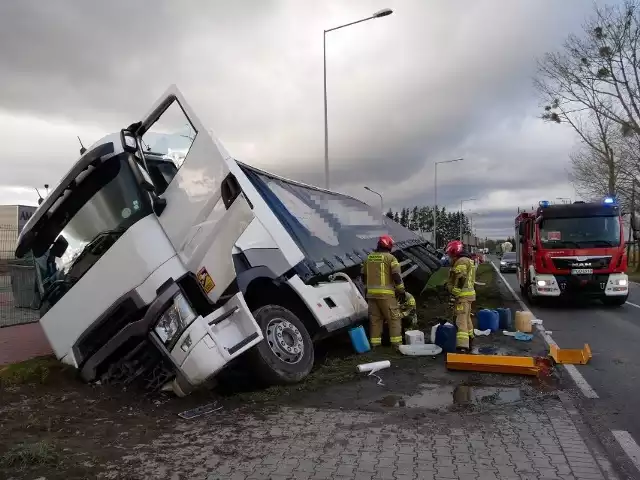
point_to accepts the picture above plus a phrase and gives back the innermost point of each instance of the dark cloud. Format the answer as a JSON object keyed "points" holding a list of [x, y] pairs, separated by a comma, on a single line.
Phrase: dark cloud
{"points": [[435, 80]]}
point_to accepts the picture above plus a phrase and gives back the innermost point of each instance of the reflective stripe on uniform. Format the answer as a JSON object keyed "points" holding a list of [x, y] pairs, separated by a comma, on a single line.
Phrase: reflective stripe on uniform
{"points": [[376, 341], [461, 292], [395, 339], [471, 333], [462, 335], [380, 291]]}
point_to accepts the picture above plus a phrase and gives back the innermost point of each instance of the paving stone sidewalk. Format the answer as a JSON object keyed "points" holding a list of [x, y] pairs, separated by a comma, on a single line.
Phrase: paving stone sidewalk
{"points": [[523, 442]]}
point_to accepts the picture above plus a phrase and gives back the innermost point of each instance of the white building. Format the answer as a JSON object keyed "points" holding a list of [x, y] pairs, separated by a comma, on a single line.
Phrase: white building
{"points": [[12, 220]]}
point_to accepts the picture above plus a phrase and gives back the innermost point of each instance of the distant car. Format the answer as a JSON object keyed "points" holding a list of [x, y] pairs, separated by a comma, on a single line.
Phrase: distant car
{"points": [[508, 262]]}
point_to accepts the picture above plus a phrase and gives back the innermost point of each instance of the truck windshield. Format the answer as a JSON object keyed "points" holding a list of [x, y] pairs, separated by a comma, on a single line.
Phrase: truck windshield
{"points": [[85, 225], [589, 232]]}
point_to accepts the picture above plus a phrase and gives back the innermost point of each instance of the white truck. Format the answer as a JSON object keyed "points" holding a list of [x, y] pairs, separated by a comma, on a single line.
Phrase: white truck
{"points": [[161, 259]]}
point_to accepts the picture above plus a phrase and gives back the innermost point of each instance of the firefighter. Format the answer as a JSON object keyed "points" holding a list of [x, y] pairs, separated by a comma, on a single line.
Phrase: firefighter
{"points": [[408, 311], [381, 275], [460, 285]]}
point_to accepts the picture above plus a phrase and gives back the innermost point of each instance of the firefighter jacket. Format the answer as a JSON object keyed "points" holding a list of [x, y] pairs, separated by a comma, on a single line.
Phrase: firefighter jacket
{"points": [[408, 309], [462, 277], [381, 275]]}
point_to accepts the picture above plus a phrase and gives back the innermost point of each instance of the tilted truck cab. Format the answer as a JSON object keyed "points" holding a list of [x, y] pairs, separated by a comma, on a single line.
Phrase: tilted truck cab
{"points": [[161, 259], [572, 250]]}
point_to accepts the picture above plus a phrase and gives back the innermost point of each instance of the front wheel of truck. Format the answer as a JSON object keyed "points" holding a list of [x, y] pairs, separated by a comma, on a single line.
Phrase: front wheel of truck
{"points": [[286, 354]]}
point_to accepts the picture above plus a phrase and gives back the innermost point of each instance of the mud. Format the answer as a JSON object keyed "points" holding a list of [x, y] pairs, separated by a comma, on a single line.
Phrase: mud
{"points": [[86, 426]]}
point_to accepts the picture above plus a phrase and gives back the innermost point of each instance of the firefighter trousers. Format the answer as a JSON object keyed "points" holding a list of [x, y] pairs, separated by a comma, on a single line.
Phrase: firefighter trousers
{"points": [[462, 312], [384, 310]]}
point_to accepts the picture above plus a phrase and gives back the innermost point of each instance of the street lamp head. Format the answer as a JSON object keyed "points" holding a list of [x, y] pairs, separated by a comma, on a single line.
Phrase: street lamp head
{"points": [[366, 188], [382, 13]]}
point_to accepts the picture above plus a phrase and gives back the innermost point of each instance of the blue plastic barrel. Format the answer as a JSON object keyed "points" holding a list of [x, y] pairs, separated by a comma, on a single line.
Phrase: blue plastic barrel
{"points": [[359, 339], [446, 337], [504, 314], [488, 320]]}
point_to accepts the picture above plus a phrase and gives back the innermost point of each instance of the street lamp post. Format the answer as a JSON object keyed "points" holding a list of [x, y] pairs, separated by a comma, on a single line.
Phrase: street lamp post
{"points": [[435, 197], [380, 195], [382, 13], [461, 213], [475, 239]]}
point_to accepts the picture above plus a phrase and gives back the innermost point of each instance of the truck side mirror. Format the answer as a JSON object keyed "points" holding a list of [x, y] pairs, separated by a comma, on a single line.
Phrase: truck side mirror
{"points": [[128, 140]]}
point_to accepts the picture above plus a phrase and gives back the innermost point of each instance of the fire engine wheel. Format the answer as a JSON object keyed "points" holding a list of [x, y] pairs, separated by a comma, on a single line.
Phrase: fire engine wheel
{"points": [[286, 354], [531, 298]]}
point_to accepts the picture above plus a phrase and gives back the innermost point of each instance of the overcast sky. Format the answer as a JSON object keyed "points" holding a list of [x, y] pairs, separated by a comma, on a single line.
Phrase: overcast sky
{"points": [[435, 80]]}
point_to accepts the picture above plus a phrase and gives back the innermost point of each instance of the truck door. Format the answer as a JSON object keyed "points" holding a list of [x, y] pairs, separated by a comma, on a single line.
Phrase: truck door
{"points": [[206, 211]]}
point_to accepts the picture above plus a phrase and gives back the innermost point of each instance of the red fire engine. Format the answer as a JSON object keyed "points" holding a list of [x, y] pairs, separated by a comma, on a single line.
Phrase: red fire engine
{"points": [[572, 250]]}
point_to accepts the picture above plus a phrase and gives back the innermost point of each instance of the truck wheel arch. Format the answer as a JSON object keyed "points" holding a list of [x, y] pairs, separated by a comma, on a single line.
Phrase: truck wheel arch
{"points": [[268, 289]]}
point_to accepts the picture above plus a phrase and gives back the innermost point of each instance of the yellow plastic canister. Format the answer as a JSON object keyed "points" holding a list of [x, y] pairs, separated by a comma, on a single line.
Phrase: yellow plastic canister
{"points": [[523, 322]]}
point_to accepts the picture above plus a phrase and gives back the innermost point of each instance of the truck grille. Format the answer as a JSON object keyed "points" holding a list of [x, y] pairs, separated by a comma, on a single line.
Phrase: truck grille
{"points": [[596, 263], [583, 284], [117, 318]]}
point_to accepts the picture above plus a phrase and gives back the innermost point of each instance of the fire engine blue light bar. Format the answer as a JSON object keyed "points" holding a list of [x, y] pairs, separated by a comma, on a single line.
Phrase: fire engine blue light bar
{"points": [[609, 200], [544, 203]]}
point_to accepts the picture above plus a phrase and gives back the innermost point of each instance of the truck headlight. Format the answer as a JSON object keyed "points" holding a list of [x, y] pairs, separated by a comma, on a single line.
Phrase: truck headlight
{"points": [[503, 263], [622, 282], [542, 283], [174, 319]]}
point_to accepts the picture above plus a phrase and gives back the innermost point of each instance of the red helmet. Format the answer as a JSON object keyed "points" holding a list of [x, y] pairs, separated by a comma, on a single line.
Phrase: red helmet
{"points": [[385, 241], [454, 248]]}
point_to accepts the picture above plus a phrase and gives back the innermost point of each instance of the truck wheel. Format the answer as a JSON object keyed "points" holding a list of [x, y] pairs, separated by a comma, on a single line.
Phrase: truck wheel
{"points": [[615, 301], [286, 354], [531, 298]]}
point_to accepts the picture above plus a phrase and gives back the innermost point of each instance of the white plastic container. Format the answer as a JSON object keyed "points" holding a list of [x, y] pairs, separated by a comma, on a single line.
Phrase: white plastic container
{"points": [[420, 350], [433, 333], [414, 337], [373, 366]]}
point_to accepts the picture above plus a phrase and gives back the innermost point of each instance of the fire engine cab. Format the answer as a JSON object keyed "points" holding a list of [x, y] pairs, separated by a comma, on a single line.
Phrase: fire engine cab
{"points": [[572, 250]]}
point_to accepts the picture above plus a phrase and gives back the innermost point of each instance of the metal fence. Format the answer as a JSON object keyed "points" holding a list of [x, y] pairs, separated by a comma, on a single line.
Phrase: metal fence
{"points": [[18, 302]]}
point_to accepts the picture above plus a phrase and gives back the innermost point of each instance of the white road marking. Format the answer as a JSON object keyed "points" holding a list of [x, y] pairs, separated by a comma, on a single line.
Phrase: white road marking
{"points": [[577, 377], [633, 304], [629, 446]]}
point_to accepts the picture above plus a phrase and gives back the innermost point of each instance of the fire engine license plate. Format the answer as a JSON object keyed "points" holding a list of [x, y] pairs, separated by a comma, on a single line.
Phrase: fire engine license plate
{"points": [[582, 271]]}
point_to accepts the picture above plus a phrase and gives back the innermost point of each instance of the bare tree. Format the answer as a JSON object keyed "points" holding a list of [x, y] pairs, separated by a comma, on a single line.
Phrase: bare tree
{"points": [[593, 85], [600, 162]]}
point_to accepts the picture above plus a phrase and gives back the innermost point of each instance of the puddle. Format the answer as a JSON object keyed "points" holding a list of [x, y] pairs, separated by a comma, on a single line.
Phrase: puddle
{"points": [[442, 397], [492, 350]]}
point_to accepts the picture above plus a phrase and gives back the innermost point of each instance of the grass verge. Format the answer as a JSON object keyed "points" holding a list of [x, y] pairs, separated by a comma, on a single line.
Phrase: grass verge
{"points": [[31, 455], [339, 366], [36, 370]]}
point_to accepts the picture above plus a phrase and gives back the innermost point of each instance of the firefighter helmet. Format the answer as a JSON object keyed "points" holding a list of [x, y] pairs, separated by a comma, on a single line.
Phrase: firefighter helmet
{"points": [[385, 241], [454, 248]]}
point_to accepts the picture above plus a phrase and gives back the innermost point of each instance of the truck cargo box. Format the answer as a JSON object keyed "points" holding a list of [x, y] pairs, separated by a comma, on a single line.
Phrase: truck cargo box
{"points": [[335, 231]]}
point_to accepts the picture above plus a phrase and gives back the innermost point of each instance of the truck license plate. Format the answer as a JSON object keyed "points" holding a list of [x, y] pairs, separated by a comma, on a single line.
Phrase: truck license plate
{"points": [[582, 271]]}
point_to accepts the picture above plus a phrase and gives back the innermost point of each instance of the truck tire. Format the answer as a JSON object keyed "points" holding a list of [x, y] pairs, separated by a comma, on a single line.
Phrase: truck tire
{"points": [[530, 298], [614, 301], [285, 355]]}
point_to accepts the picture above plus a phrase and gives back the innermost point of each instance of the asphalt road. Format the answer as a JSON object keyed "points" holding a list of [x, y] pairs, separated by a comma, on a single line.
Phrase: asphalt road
{"points": [[614, 337]]}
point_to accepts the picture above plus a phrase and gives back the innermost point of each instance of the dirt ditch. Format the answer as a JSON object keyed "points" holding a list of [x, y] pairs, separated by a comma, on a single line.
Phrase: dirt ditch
{"points": [[54, 426]]}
